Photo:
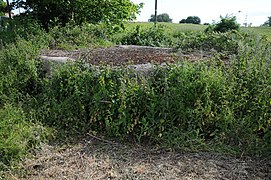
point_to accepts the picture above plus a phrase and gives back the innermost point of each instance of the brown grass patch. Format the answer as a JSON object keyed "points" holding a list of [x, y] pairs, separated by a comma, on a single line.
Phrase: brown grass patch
{"points": [[93, 158]]}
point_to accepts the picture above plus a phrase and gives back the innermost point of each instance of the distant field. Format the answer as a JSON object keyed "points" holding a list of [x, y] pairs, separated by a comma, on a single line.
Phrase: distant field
{"points": [[263, 31], [173, 26]]}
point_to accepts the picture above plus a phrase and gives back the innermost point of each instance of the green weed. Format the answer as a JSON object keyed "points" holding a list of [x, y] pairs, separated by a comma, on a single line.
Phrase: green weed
{"points": [[155, 37], [19, 133]]}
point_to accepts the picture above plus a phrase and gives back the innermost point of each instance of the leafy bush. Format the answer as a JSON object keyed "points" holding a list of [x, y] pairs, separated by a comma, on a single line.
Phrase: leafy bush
{"points": [[226, 43], [225, 24], [74, 36], [20, 82], [19, 71], [20, 27], [156, 37], [268, 22], [111, 12], [160, 18]]}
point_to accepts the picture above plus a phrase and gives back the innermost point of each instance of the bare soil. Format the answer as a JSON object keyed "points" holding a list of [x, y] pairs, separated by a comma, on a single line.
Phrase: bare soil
{"points": [[127, 55], [95, 158]]}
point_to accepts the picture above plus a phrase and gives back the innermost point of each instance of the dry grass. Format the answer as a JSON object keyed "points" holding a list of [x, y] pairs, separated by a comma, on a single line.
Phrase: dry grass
{"points": [[93, 158]]}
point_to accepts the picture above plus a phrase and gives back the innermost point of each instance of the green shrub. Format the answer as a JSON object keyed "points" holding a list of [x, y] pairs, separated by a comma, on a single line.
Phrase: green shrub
{"points": [[225, 24], [22, 28], [226, 43], [155, 37], [18, 135], [74, 36], [19, 71]]}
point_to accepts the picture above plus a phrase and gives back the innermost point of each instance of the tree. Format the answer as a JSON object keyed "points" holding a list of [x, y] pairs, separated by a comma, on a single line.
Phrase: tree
{"points": [[161, 18], [268, 22], [93, 11], [183, 21], [3, 7], [225, 24], [191, 20]]}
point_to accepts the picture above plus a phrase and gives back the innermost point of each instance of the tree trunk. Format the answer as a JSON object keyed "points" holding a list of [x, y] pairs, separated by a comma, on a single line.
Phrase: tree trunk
{"points": [[9, 10]]}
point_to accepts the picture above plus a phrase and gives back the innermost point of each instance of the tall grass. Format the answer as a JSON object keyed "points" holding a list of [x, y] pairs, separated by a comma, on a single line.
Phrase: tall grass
{"points": [[19, 133], [20, 82], [262, 31], [171, 27]]}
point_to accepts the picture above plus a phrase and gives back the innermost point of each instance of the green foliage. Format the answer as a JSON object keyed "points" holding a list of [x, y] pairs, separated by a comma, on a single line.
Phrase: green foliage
{"points": [[225, 43], [188, 105], [156, 37], [20, 27], [20, 82], [18, 135], [74, 36], [191, 20], [226, 24], [111, 11], [268, 22], [192, 106], [161, 18], [19, 73], [3, 6]]}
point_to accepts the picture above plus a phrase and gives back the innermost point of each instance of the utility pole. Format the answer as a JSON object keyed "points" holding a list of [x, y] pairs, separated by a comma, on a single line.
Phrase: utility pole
{"points": [[8, 8], [155, 14]]}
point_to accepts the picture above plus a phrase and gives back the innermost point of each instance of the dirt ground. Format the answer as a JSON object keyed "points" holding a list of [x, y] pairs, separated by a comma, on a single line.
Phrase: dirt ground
{"points": [[95, 158], [127, 55]]}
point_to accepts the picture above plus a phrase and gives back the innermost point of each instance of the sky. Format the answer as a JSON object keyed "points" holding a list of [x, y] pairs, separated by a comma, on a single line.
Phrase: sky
{"points": [[255, 12]]}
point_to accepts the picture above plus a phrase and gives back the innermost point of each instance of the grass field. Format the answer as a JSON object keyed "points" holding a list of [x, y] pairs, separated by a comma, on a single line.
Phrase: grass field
{"points": [[171, 26], [263, 31]]}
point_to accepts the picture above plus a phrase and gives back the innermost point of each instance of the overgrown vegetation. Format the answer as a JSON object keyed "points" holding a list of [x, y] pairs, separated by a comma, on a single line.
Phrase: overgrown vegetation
{"points": [[18, 135], [112, 12], [227, 23], [221, 104], [155, 37]]}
